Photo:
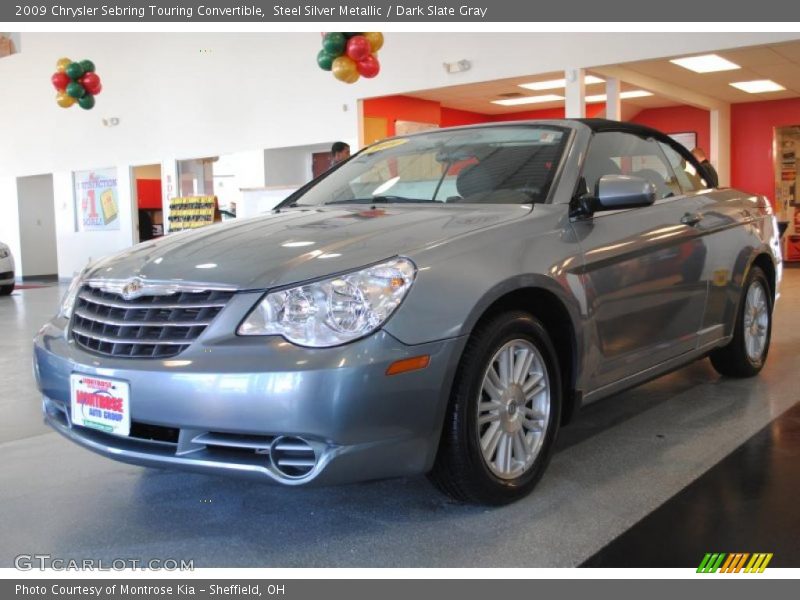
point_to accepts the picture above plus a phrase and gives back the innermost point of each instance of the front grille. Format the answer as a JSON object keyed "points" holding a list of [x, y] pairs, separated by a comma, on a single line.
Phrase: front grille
{"points": [[6, 274], [145, 327]]}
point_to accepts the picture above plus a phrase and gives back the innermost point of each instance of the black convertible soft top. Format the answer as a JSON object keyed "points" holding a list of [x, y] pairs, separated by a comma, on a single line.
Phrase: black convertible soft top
{"points": [[609, 125]]}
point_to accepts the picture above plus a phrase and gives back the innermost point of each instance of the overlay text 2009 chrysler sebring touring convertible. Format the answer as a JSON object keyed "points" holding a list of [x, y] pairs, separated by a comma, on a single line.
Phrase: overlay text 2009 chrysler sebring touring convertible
{"points": [[440, 303]]}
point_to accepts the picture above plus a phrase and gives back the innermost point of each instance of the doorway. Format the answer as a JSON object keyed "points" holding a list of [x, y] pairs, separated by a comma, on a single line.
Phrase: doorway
{"points": [[787, 190], [37, 227], [146, 183]]}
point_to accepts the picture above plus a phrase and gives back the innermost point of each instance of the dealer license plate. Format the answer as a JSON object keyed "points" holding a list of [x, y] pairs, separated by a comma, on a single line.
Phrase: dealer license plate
{"points": [[100, 403]]}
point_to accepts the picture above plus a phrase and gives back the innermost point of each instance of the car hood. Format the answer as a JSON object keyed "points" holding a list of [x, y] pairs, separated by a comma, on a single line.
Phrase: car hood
{"points": [[298, 244]]}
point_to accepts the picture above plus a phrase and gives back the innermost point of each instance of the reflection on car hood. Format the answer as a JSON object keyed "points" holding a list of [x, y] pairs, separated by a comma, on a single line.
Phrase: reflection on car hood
{"points": [[299, 244]]}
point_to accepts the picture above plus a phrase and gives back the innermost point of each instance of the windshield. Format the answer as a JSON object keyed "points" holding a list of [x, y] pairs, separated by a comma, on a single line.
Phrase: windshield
{"points": [[492, 165]]}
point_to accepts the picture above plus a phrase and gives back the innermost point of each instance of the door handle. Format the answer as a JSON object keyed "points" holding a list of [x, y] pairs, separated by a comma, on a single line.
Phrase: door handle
{"points": [[691, 219]]}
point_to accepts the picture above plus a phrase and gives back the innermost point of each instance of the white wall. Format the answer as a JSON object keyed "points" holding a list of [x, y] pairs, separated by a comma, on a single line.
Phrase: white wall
{"points": [[37, 226], [291, 166], [249, 92], [261, 90]]}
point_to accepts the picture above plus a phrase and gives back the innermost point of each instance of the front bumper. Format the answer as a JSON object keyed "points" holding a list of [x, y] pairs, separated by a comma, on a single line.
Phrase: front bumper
{"points": [[226, 403]]}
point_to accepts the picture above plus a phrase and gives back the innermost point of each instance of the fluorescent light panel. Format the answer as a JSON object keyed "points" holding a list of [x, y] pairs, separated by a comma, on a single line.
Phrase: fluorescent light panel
{"points": [[707, 63], [622, 95], [758, 86], [554, 84], [528, 100]]}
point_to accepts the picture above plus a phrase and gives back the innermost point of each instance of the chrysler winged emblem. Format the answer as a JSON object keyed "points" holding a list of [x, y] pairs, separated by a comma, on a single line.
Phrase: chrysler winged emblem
{"points": [[132, 289]]}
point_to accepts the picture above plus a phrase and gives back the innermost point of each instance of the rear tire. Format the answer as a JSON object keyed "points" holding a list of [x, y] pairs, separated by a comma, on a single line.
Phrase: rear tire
{"points": [[504, 413], [746, 353], [5, 290]]}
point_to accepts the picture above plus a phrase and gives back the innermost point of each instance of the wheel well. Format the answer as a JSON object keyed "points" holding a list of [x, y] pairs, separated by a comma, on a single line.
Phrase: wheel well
{"points": [[764, 261], [552, 313]]}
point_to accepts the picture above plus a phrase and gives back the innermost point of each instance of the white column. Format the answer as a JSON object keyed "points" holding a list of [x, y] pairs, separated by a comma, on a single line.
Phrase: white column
{"points": [[613, 101], [575, 103], [720, 151]]}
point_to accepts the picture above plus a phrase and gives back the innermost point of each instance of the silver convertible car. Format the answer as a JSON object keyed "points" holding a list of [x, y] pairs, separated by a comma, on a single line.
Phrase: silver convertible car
{"points": [[440, 303]]}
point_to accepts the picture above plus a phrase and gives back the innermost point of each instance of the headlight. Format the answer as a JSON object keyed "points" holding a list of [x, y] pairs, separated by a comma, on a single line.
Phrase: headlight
{"points": [[4, 252], [336, 310], [68, 301]]}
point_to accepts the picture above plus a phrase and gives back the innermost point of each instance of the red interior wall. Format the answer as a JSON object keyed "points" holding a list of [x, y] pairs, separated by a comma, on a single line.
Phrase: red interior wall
{"points": [[406, 108], [148, 193], [752, 125], [452, 117], [678, 119], [592, 110], [402, 108]]}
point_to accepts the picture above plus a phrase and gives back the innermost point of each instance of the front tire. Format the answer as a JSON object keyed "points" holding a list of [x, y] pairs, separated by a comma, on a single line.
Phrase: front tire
{"points": [[5, 290], [504, 413], [746, 353]]}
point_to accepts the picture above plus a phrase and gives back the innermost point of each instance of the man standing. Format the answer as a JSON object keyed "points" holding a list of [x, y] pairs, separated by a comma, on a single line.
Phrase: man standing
{"points": [[712, 177], [340, 152]]}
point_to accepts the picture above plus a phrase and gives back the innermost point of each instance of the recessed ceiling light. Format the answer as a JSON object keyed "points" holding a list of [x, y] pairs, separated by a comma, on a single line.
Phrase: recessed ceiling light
{"points": [[758, 86], [707, 63], [528, 100], [297, 244], [554, 84], [622, 95]]}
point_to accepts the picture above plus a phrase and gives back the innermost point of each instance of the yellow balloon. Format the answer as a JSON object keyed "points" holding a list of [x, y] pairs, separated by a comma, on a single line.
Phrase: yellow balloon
{"points": [[64, 100], [375, 39], [62, 63], [344, 69]]}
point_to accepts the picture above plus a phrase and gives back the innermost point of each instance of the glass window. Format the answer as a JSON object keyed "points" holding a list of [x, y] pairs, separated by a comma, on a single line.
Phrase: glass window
{"points": [[196, 177], [493, 165], [618, 153], [688, 177]]}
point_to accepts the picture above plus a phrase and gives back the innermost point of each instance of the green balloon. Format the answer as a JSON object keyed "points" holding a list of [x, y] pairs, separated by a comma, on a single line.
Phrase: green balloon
{"points": [[325, 60], [74, 70], [87, 66], [334, 43], [75, 90], [86, 102]]}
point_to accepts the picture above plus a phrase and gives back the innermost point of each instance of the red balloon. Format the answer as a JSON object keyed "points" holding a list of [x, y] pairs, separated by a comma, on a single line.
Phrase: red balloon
{"points": [[91, 82], [358, 48], [60, 81], [369, 67]]}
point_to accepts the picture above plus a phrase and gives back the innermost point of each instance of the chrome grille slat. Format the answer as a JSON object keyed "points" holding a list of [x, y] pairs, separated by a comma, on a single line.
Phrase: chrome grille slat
{"points": [[234, 441], [296, 462], [116, 340], [167, 305], [123, 323], [148, 326]]}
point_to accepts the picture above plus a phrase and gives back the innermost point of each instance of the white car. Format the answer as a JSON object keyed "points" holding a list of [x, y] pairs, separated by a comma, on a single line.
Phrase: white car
{"points": [[6, 270]]}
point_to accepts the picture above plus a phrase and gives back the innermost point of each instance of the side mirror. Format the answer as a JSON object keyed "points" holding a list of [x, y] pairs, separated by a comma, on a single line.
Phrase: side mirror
{"points": [[623, 191]]}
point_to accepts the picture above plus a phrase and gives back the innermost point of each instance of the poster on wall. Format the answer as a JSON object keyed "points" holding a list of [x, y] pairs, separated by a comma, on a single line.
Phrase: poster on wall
{"points": [[97, 200], [688, 139]]}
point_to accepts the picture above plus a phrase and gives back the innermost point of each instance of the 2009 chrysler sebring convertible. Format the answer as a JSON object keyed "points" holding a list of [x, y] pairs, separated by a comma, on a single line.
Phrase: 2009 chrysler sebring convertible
{"points": [[440, 303]]}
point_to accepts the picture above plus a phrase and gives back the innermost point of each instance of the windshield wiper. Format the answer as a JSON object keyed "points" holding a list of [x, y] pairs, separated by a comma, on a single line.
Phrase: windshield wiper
{"points": [[381, 200]]}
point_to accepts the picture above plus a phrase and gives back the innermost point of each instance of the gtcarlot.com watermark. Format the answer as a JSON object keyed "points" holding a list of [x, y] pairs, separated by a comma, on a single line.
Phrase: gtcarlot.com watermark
{"points": [[47, 562]]}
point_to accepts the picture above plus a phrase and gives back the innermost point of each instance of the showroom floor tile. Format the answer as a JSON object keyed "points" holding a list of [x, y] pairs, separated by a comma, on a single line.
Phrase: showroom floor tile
{"points": [[745, 503], [618, 462]]}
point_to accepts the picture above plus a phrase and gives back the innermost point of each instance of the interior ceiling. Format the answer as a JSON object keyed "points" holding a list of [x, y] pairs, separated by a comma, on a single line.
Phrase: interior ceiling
{"points": [[778, 62]]}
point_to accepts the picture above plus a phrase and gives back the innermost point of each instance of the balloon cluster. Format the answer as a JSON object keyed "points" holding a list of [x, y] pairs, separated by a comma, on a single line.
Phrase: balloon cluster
{"points": [[76, 82], [350, 55]]}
